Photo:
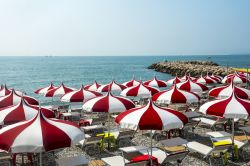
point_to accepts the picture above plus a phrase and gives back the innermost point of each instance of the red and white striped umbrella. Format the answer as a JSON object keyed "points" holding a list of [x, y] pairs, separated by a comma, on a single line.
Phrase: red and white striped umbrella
{"points": [[173, 81], [80, 95], [214, 78], [13, 98], [235, 78], [59, 91], [230, 107], [226, 91], [151, 117], [113, 86], [22, 111], [92, 87], [191, 86], [45, 89], [175, 95], [131, 83], [155, 83], [39, 134], [5, 91], [140, 90], [108, 104], [205, 80], [186, 77]]}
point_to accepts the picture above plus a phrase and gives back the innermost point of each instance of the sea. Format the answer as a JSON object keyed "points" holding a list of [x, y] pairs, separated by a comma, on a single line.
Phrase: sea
{"points": [[28, 73]]}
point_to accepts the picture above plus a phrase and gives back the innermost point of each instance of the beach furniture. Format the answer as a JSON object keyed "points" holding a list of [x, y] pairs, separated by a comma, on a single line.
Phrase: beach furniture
{"points": [[115, 161], [206, 151], [91, 143], [92, 129], [124, 137], [72, 161], [5, 158], [175, 148], [212, 123]]}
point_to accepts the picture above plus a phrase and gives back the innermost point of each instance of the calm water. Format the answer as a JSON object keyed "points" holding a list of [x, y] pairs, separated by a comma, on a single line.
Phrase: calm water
{"points": [[29, 73]]}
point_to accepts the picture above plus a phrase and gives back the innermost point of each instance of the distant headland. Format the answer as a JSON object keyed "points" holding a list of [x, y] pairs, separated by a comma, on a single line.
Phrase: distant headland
{"points": [[194, 68]]}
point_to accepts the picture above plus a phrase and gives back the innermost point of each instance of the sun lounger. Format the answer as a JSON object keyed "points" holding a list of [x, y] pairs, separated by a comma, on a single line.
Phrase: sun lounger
{"points": [[115, 161], [210, 122], [91, 143], [124, 137], [72, 161], [5, 158], [205, 150]]}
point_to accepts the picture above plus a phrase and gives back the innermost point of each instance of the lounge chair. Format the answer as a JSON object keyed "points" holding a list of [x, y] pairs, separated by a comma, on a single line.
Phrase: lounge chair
{"points": [[212, 123], [207, 151], [124, 137], [91, 143], [115, 160]]}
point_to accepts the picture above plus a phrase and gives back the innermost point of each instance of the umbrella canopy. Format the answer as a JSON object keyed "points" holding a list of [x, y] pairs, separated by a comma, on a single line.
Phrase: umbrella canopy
{"points": [[59, 91], [205, 80], [191, 86], [80, 95], [92, 87], [216, 77], [13, 98], [226, 91], [186, 77], [235, 78], [5, 91], [151, 117], [39, 134], [45, 89], [22, 111], [108, 104], [175, 95], [131, 83], [173, 81], [140, 90], [113, 86], [155, 83], [230, 107]]}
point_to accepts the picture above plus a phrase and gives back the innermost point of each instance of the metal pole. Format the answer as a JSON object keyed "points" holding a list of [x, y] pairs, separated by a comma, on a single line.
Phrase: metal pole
{"points": [[108, 132], [233, 139], [41, 159], [151, 150]]}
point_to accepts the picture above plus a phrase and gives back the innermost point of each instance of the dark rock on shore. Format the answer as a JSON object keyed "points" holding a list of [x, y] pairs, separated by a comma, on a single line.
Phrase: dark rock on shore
{"points": [[194, 68]]}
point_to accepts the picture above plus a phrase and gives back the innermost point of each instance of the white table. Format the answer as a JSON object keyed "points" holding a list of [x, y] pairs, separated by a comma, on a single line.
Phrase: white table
{"points": [[72, 161]]}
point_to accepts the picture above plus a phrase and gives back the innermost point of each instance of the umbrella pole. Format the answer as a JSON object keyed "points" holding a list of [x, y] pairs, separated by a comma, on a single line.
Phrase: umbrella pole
{"points": [[233, 154], [41, 159], [151, 145], [108, 132]]}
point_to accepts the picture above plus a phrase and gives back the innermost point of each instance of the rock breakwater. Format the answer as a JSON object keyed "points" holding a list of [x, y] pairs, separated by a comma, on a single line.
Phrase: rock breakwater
{"points": [[194, 68]]}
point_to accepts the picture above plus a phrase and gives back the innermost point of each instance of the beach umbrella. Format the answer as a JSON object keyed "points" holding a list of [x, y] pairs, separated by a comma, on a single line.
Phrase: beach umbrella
{"points": [[141, 91], [92, 87], [191, 86], [216, 77], [155, 83], [175, 95], [226, 91], [108, 104], [59, 91], [211, 77], [151, 117], [235, 78], [22, 111], [38, 135], [80, 95], [131, 83], [45, 89], [173, 81], [186, 77], [113, 86], [5, 91], [13, 98], [231, 107], [205, 80]]}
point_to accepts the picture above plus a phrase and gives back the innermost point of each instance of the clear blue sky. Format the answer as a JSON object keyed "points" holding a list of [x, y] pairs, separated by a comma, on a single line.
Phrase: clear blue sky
{"points": [[124, 27]]}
